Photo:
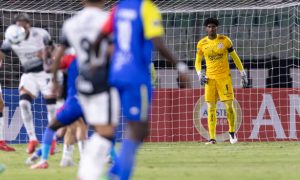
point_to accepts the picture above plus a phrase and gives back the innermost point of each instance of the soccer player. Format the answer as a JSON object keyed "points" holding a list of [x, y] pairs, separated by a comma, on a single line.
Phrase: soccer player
{"points": [[3, 145], [98, 100], [69, 113], [137, 27], [217, 79], [31, 53]]}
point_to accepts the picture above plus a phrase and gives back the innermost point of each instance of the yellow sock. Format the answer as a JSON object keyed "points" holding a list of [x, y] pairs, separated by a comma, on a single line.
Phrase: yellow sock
{"points": [[230, 112], [212, 119]]}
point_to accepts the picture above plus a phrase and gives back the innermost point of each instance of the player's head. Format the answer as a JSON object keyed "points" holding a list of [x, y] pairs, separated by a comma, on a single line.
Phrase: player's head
{"points": [[23, 19], [93, 2], [211, 25]]}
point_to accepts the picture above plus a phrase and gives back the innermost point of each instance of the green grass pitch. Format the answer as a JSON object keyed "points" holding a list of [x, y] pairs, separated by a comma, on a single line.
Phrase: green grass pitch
{"points": [[182, 161]]}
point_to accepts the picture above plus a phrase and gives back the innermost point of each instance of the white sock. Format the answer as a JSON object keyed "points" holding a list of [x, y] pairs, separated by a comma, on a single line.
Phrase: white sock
{"points": [[68, 152], [51, 109], [1, 128], [93, 158], [81, 146], [26, 114]]}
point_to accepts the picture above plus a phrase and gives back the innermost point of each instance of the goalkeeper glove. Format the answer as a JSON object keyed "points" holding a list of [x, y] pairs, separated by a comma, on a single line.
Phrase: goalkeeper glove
{"points": [[202, 78], [244, 81]]}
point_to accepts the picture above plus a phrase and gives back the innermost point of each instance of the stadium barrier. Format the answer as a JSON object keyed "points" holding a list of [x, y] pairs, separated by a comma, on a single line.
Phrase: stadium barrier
{"points": [[263, 114]]}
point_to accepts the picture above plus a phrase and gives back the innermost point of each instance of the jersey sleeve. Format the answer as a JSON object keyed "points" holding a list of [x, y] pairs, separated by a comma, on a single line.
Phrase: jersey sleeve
{"points": [[66, 60], [5, 46], [108, 25], [152, 21], [46, 37], [228, 44], [199, 55]]}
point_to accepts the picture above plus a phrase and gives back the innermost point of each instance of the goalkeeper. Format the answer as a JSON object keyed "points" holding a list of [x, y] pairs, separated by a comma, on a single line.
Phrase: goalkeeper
{"points": [[217, 78]]}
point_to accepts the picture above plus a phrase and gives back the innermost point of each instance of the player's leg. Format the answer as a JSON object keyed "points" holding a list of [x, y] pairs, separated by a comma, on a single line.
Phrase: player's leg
{"points": [[227, 95], [231, 117], [3, 145], [68, 149], [28, 90], [101, 111], [81, 134], [45, 86], [69, 113], [135, 104], [212, 121], [211, 96]]}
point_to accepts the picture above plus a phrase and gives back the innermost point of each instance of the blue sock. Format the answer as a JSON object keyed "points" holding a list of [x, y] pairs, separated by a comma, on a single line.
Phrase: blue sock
{"points": [[47, 140], [127, 158]]}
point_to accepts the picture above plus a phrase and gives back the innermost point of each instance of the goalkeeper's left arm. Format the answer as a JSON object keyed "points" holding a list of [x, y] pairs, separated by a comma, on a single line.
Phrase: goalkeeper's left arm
{"points": [[198, 67], [239, 65]]}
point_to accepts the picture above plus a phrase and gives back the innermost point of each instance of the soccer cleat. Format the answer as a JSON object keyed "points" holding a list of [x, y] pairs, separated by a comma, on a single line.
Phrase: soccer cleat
{"points": [[53, 147], [66, 163], [232, 138], [31, 146], [40, 165], [5, 147], [211, 141], [31, 160]]}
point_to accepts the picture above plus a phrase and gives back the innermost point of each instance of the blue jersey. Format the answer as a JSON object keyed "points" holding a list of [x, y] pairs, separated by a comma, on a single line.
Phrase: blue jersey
{"points": [[71, 109], [135, 23], [72, 75]]}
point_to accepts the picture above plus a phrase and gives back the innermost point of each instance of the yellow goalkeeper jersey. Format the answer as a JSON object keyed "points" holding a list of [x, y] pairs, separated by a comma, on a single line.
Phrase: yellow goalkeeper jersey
{"points": [[215, 53]]}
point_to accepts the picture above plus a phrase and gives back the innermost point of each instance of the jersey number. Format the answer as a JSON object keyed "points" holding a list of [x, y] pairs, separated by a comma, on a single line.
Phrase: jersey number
{"points": [[124, 34], [86, 47]]}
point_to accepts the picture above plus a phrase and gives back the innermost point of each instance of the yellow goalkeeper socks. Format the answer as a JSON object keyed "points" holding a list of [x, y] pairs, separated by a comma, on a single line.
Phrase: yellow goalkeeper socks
{"points": [[230, 112], [212, 119]]}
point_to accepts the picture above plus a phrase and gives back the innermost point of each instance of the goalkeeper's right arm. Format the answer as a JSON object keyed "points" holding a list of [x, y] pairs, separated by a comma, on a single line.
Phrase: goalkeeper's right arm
{"points": [[201, 75], [198, 63]]}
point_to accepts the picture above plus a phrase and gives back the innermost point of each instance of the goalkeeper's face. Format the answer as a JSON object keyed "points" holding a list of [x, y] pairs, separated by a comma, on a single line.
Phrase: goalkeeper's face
{"points": [[211, 30]]}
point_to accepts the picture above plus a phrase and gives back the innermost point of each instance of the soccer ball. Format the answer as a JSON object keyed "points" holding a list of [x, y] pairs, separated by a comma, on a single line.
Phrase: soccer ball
{"points": [[15, 34]]}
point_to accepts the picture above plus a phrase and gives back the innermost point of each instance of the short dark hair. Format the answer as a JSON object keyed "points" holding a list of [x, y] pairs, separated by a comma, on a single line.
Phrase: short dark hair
{"points": [[94, 1], [22, 17], [211, 21]]}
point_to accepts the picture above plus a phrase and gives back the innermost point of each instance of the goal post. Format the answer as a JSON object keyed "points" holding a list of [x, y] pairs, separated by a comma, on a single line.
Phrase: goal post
{"points": [[265, 34]]}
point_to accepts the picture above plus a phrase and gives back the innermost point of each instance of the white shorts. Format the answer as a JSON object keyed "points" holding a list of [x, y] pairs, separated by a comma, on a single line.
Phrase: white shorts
{"points": [[0, 89], [102, 108], [37, 82]]}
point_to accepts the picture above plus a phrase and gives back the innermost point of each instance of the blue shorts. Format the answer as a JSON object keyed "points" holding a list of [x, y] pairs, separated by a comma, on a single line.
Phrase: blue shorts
{"points": [[70, 111], [135, 101]]}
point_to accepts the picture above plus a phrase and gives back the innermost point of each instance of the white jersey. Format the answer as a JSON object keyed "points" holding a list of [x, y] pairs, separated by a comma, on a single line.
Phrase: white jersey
{"points": [[80, 32], [30, 50]]}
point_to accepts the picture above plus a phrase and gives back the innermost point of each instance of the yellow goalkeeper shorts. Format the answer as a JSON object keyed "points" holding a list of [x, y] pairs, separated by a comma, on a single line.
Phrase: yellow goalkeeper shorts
{"points": [[219, 88]]}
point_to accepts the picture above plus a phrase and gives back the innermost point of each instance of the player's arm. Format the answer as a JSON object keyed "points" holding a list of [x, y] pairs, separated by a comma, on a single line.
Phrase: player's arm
{"points": [[56, 58], [4, 49], [198, 66], [43, 54], [238, 63], [154, 31]]}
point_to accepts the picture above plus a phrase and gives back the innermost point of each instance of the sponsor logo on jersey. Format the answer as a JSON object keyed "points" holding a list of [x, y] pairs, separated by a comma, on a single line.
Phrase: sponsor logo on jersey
{"points": [[220, 45]]}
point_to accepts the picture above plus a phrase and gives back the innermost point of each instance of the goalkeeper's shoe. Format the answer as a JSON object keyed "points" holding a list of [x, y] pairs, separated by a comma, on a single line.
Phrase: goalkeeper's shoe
{"points": [[232, 138], [5, 147], [31, 146], [32, 159], [40, 165], [211, 141]]}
